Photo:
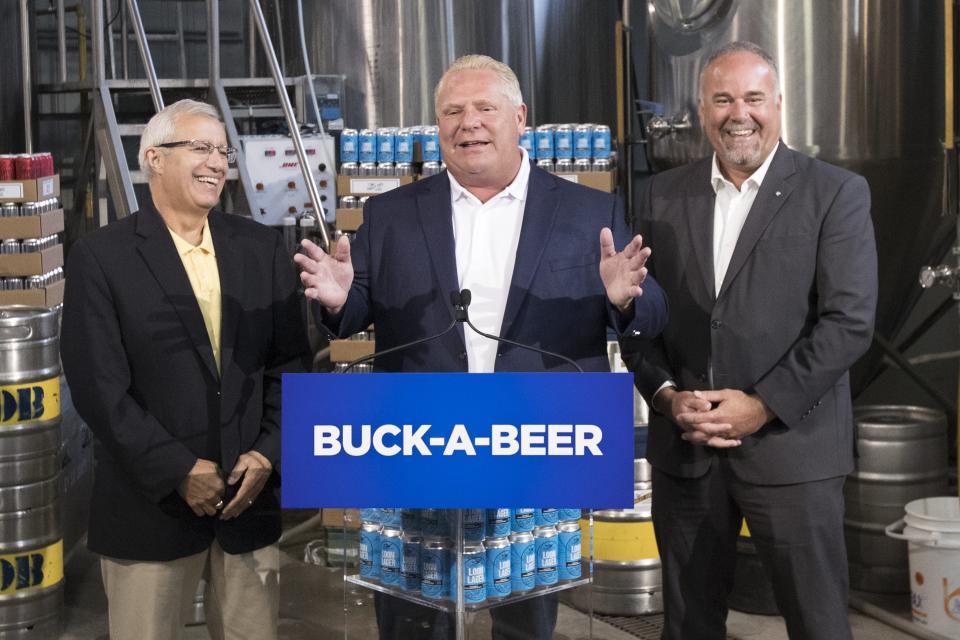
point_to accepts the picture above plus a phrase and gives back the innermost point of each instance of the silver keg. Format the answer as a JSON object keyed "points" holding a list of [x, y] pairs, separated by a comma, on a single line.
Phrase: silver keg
{"points": [[902, 456], [31, 537]]}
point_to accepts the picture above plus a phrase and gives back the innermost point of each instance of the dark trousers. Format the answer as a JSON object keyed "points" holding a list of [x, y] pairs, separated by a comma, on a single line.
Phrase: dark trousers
{"points": [[398, 619], [798, 532]]}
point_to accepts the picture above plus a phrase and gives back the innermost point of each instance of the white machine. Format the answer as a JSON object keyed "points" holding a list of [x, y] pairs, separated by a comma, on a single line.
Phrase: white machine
{"points": [[278, 186]]}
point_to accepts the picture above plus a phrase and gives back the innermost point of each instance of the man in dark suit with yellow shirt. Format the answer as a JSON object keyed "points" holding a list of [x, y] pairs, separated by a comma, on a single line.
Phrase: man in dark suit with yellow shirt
{"points": [[178, 322]]}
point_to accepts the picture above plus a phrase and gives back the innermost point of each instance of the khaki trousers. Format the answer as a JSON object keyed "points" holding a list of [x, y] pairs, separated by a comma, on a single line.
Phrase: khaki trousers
{"points": [[152, 600]]}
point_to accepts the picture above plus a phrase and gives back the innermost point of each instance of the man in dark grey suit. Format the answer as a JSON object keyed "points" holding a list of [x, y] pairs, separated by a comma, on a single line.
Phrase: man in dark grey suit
{"points": [[769, 262]]}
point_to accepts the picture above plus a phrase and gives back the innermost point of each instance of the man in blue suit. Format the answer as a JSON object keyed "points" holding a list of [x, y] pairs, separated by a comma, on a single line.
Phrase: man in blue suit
{"points": [[537, 252]]}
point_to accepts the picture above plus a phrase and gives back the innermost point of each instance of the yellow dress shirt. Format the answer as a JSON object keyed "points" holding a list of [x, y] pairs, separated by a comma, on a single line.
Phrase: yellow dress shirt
{"points": [[200, 263]]}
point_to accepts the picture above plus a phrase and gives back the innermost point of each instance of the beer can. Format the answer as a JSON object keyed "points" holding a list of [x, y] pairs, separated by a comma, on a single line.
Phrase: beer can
{"points": [[369, 551], [29, 209], [410, 519], [386, 169], [545, 517], [544, 139], [36, 282], [564, 165], [567, 515], [523, 561], [430, 148], [583, 141], [350, 169], [362, 200], [9, 210], [569, 544], [46, 164], [349, 151], [13, 246], [435, 568], [582, 165], [23, 167], [545, 549], [391, 555], [528, 142], [546, 164], [498, 567], [348, 202], [404, 169], [403, 146], [601, 164], [385, 148], [389, 517], [521, 519], [601, 141], [13, 284], [563, 141], [498, 522], [434, 523], [367, 169], [366, 145], [370, 514], [474, 574], [8, 167], [430, 168], [410, 567], [474, 524]]}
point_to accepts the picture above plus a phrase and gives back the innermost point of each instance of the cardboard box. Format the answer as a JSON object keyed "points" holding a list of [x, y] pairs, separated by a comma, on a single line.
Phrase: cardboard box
{"points": [[349, 518], [45, 224], [46, 298], [30, 190], [31, 264], [350, 350], [602, 180], [347, 219], [369, 185]]}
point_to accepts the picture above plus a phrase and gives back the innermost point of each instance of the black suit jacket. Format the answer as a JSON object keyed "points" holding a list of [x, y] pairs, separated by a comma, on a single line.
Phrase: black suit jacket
{"points": [[141, 370], [794, 312], [405, 266]]}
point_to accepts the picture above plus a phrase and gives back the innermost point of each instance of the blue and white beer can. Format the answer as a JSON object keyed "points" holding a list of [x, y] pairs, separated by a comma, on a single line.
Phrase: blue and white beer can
{"points": [[435, 568], [522, 519], [430, 149], [568, 515], [410, 571], [569, 545], [474, 525], [474, 574], [349, 149], [563, 141], [583, 141], [545, 517], [601, 141], [545, 549], [544, 139], [498, 567], [369, 551], [385, 146], [367, 146], [369, 514], [390, 517], [523, 561], [434, 523], [528, 142], [403, 145], [498, 522], [391, 555]]}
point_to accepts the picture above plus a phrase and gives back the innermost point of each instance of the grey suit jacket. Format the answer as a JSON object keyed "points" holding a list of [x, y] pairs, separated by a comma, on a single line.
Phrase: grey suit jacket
{"points": [[794, 312]]}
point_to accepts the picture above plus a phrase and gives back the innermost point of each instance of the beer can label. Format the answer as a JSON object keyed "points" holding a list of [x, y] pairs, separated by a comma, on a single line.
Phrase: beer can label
{"points": [[568, 563], [523, 566], [369, 554], [498, 572]]}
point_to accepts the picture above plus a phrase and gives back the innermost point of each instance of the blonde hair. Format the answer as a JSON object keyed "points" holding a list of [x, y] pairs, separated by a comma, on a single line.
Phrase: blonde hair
{"points": [[474, 62], [163, 126]]}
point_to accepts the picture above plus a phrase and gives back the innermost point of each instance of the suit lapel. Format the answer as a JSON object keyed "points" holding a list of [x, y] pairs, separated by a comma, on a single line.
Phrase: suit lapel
{"points": [[160, 254], [436, 220], [700, 202], [543, 200], [230, 266], [768, 203]]}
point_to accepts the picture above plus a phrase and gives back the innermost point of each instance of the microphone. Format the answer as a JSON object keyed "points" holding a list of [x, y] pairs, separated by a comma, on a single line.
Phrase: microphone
{"points": [[465, 297], [458, 310]]}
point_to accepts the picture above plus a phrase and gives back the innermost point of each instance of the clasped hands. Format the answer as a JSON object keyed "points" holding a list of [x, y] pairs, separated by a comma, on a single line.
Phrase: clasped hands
{"points": [[204, 487], [719, 418]]}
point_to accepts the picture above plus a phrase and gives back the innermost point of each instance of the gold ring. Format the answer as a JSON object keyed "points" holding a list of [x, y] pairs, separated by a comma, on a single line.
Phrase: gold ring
{"points": [[219, 504]]}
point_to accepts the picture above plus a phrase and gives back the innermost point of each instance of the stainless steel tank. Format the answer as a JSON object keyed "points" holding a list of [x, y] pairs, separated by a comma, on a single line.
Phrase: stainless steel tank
{"points": [[863, 88]]}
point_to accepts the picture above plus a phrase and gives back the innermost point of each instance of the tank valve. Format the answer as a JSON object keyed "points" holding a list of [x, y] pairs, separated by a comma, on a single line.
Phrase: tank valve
{"points": [[943, 275], [659, 126]]}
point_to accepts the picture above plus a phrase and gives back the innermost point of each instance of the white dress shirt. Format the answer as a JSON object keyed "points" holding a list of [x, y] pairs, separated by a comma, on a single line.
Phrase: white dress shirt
{"points": [[486, 235], [730, 212]]}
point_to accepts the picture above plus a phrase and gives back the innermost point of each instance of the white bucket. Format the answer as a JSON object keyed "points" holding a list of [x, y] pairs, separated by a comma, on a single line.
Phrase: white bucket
{"points": [[932, 528]]}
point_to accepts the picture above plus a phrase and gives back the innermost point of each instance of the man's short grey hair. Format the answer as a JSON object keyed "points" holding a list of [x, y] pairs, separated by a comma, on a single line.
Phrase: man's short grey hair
{"points": [[163, 126], [474, 62], [742, 46]]}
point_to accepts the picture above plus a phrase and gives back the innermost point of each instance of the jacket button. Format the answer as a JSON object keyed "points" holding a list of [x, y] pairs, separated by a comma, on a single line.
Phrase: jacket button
{"points": [[463, 355], [715, 324]]}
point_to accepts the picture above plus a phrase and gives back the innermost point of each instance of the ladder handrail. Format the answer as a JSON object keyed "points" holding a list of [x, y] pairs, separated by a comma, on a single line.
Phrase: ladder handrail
{"points": [[151, 71]]}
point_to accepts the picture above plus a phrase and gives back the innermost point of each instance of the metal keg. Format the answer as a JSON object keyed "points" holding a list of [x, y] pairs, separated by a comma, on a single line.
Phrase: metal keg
{"points": [[31, 538], [902, 456]]}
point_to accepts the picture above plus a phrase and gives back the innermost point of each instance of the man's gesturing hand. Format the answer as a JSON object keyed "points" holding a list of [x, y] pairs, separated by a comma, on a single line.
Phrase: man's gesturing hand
{"points": [[327, 278], [622, 273]]}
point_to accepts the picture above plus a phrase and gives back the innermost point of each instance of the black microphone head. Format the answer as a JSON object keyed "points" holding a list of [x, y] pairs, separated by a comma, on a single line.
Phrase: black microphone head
{"points": [[455, 300], [465, 297]]}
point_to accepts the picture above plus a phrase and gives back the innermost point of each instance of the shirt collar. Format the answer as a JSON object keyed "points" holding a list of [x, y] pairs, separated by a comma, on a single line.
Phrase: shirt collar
{"points": [[206, 241], [718, 181], [516, 189]]}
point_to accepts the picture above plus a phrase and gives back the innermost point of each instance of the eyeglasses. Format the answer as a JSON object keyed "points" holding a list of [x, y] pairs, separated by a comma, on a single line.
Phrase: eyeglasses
{"points": [[202, 147]]}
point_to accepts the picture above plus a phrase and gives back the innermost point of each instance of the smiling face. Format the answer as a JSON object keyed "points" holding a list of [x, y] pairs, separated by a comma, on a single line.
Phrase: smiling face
{"points": [[740, 112], [184, 180], [479, 130]]}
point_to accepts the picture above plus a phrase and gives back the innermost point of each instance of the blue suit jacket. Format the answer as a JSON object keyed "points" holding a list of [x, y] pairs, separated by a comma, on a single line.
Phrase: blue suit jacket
{"points": [[405, 269]]}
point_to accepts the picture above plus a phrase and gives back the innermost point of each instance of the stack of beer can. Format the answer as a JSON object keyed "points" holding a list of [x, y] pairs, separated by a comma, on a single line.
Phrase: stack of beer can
{"points": [[505, 551], [29, 245], [390, 151], [25, 166], [567, 148]]}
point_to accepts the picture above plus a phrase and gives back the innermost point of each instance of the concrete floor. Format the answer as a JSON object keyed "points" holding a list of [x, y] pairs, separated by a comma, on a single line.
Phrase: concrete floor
{"points": [[317, 604]]}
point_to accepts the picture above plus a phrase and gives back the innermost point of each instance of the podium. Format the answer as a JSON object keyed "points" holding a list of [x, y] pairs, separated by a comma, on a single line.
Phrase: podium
{"points": [[452, 447]]}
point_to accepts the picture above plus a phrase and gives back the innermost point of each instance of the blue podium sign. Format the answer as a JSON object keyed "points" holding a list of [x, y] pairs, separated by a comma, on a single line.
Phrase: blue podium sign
{"points": [[457, 440]]}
